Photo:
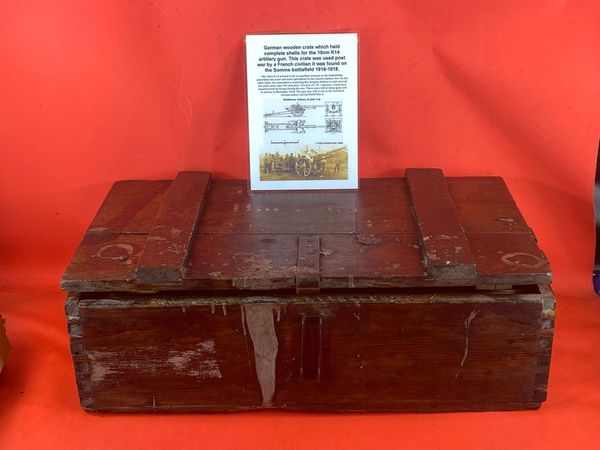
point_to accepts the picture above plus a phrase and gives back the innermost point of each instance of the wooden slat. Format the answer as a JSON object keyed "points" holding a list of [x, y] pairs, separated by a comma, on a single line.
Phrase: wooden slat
{"points": [[167, 247], [414, 350], [104, 262], [380, 206], [484, 204], [254, 262], [383, 206], [130, 207], [368, 238], [231, 209], [510, 256], [445, 247], [308, 268], [371, 260]]}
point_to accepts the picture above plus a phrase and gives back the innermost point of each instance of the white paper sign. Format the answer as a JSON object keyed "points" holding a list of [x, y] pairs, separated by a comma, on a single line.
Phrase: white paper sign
{"points": [[303, 110]]}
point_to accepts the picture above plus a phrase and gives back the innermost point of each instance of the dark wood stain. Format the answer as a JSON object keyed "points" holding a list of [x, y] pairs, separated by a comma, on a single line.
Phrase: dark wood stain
{"points": [[466, 350], [425, 294], [370, 235], [167, 246], [308, 267], [446, 251]]}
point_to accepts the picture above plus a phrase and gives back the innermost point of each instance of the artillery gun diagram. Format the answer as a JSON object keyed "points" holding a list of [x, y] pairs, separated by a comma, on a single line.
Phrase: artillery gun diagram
{"points": [[315, 130], [333, 109], [295, 126], [295, 110], [300, 124], [332, 125], [298, 110]]}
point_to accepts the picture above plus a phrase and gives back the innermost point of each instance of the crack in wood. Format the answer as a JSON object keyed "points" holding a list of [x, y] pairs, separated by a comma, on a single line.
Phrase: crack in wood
{"points": [[468, 321]]}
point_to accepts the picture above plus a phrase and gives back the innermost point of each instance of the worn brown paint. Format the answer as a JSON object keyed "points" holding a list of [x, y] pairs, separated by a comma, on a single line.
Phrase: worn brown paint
{"points": [[309, 265], [446, 251], [328, 301], [399, 351], [259, 320], [167, 246], [255, 247]]}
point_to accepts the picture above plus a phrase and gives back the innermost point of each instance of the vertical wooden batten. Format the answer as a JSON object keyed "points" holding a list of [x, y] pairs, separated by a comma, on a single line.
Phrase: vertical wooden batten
{"points": [[308, 267], [446, 251], [167, 246]]}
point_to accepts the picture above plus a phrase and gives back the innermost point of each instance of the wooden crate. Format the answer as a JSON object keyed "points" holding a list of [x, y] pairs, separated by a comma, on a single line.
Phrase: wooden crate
{"points": [[415, 293]]}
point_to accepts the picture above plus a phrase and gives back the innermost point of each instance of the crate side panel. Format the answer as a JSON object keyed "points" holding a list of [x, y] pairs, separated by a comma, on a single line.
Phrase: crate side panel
{"points": [[150, 357], [390, 355]]}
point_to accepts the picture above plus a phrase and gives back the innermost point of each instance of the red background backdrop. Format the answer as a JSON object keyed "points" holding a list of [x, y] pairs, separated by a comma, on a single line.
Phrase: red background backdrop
{"points": [[92, 92]]}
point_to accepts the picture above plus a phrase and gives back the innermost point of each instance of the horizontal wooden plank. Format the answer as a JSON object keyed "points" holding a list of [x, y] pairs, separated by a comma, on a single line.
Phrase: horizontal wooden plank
{"points": [[484, 204], [259, 262], [510, 255], [371, 260], [380, 206], [130, 207], [243, 262], [368, 238], [347, 261], [383, 206], [231, 209], [375, 353], [104, 262]]}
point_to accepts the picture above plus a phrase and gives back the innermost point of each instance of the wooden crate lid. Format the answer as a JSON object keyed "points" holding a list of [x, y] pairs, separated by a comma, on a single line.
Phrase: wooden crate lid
{"points": [[195, 234]]}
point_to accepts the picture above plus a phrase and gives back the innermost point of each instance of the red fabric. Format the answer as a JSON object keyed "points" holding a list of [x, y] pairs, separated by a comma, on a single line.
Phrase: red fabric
{"points": [[92, 92]]}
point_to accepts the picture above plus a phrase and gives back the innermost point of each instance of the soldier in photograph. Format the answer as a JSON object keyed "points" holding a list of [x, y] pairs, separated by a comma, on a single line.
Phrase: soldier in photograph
{"points": [[321, 166], [286, 162], [276, 162], [337, 165]]}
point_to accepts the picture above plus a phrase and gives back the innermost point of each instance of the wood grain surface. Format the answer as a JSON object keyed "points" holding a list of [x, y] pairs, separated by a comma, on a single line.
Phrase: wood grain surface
{"points": [[426, 350], [465, 232]]}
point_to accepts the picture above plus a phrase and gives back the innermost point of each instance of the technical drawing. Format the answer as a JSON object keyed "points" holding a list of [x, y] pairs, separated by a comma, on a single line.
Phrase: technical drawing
{"points": [[333, 108], [295, 110], [333, 125], [295, 126], [300, 126]]}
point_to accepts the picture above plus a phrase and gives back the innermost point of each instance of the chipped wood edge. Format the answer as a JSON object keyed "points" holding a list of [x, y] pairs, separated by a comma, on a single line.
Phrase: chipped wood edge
{"points": [[545, 338], [447, 271], [406, 406], [267, 345], [259, 284], [125, 300], [81, 362]]}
